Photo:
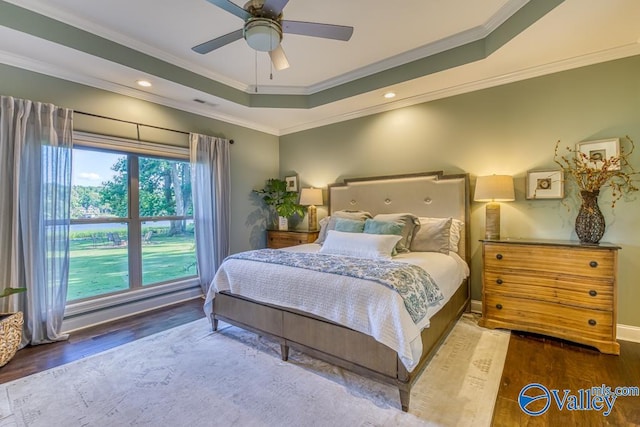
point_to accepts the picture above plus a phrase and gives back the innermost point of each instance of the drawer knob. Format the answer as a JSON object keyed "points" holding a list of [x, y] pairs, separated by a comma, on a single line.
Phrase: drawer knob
{"points": [[499, 306], [593, 293], [592, 322], [593, 264], [499, 256], [499, 281]]}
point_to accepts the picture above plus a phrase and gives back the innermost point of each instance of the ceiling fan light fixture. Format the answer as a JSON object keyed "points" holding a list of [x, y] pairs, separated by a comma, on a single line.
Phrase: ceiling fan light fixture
{"points": [[263, 34]]}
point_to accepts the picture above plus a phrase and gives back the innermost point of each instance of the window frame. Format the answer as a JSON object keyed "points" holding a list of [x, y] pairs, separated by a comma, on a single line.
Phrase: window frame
{"points": [[133, 149]]}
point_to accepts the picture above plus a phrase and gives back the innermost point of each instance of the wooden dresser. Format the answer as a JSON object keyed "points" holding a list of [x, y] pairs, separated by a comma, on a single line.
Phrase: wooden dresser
{"points": [[557, 288], [281, 239]]}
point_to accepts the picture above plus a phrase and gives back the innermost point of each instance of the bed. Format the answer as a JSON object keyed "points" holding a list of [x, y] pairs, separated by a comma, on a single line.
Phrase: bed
{"points": [[346, 317]]}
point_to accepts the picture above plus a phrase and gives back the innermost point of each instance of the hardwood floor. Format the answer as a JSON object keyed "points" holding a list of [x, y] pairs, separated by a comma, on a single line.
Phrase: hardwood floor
{"points": [[99, 338], [553, 363], [560, 365]]}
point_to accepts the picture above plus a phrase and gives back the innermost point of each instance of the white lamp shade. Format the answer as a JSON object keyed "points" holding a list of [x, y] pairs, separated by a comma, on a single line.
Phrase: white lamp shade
{"points": [[494, 188], [311, 196]]}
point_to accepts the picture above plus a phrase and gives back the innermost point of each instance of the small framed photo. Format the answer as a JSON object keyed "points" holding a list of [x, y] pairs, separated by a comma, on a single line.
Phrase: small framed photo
{"points": [[545, 184], [292, 183], [595, 153]]}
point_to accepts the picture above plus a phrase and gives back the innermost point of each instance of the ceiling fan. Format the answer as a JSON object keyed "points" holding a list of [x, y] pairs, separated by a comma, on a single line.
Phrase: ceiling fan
{"points": [[263, 29]]}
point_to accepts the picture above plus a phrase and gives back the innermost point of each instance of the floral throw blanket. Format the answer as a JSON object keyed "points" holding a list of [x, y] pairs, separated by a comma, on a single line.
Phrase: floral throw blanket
{"points": [[412, 283]]}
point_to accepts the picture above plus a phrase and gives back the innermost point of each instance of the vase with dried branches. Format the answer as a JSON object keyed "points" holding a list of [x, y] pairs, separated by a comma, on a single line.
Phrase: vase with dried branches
{"points": [[591, 177]]}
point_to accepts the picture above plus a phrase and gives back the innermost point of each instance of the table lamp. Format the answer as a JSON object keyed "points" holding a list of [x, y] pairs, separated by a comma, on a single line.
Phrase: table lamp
{"points": [[311, 197], [494, 189]]}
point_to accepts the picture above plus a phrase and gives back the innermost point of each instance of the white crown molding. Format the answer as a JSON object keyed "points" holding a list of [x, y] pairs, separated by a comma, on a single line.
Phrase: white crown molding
{"points": [[427, 50], [456, 40], [430, 49], [505, 12], [581, 61], [195, 108], [278, 90], [45, 9], [205, 110]]}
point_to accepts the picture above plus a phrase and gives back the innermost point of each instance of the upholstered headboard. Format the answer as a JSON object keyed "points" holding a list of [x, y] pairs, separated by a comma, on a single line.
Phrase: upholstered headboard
{"points": [[428, 194]]}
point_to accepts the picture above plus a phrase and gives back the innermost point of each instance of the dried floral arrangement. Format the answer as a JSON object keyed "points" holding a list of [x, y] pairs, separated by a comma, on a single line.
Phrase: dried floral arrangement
{"points": [[615, 172]]}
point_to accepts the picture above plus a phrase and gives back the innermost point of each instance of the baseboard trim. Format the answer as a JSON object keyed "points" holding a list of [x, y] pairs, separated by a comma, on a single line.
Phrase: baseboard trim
{"points": [[476, 306], [628, 333], [110, 314], [623, 332]]}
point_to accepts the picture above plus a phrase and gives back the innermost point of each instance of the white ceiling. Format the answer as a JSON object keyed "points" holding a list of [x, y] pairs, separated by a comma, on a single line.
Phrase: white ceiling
{"points": [[575, 33]]}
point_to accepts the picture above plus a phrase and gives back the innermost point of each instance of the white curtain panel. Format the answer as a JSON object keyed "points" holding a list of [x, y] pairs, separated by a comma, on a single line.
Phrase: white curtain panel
{"points": [[35, 183], [211, 189]]}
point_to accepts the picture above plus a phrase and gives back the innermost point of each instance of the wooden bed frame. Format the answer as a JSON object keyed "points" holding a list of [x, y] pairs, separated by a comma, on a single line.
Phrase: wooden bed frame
{"points": [[429, 194]]}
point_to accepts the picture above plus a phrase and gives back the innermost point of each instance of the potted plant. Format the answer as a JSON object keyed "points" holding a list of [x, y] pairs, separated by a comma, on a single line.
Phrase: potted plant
{"points": [[284, 203], [10, 329]]}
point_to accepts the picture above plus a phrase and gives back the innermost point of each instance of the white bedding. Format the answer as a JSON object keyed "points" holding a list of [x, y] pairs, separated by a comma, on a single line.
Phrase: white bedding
{"points": [[362, 305]]}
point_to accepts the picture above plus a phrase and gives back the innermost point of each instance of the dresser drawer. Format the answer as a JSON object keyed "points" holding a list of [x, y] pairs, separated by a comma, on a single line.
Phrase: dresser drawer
{"points": [[559, 260], [572, 323], [587, 293]]}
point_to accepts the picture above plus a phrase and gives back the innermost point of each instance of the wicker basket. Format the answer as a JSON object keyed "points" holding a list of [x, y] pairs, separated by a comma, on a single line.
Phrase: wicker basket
{"points": [[10, 335]]}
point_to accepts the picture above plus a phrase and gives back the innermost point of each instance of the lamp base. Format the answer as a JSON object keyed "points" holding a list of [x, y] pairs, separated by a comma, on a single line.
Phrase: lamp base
{"points": [[313, 218], [492, 223]]}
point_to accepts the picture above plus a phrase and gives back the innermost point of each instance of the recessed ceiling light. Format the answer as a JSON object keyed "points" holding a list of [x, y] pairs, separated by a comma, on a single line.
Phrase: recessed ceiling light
{"points": [[144, 83], [390, 95]]}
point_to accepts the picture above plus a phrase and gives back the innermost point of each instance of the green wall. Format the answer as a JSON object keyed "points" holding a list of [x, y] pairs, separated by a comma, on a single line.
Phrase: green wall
{"points": [[254, 156], [504, 130], [508, 129]]}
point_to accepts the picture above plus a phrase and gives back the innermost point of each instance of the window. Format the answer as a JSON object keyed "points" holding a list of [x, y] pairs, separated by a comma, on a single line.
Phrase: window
{"points": [[131, 218], [165, 206]]}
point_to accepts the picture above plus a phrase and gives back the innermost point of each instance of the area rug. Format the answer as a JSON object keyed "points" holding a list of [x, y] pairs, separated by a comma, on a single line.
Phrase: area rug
{"points": [[190, 376]]}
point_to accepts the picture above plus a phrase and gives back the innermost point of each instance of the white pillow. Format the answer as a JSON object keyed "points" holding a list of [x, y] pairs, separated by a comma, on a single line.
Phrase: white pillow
{"points": [[454, 234], [361, 245]]}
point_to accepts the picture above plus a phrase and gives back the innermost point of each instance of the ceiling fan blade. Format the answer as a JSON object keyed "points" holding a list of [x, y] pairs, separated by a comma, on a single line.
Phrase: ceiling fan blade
{"points": [[314, 29], [279, 59], [218, 42], [274, 6], [231, 8]]}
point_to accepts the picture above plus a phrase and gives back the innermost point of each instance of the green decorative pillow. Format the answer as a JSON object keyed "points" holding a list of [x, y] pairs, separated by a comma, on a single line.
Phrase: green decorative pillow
{"points": [[374, 226], [349, 225], [408, 221], [330, 221]]}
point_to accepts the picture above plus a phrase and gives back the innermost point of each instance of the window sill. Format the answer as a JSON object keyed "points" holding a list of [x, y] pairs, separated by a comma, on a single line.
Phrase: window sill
{"points": [[100, 310]]}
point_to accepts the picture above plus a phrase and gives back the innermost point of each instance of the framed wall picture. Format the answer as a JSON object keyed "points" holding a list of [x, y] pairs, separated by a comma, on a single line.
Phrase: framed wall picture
{"points": [[545, 184], [594, 153], [292, 183]]}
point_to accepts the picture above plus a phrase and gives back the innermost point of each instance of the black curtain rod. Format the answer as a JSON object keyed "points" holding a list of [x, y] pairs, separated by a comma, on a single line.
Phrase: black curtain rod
{"points": [[137, 124]]}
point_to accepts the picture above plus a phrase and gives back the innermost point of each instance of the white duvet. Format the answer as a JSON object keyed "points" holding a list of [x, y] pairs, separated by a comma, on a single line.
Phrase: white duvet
{"points": [[362, 305]]}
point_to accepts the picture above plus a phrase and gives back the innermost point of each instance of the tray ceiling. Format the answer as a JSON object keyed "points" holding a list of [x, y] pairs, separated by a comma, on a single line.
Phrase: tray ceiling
{"points": [[420, 49]]}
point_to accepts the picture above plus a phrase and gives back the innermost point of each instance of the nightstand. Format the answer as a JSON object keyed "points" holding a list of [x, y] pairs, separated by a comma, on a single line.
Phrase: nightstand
{"points": [[281, 239], [558, 288]]}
